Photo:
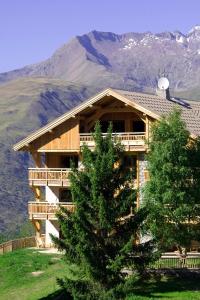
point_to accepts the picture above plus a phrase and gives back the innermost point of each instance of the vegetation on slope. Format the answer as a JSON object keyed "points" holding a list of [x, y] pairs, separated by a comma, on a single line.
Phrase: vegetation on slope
{"points": [[17, 281], [22, 230], [26, 105]]}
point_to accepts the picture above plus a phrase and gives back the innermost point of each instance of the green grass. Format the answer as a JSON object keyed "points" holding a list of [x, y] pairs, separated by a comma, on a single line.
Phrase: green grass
{"points": [[168, 288], [17, 281]]}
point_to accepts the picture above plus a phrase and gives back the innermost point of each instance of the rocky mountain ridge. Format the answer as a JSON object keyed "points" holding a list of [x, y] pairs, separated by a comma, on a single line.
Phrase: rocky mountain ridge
{"points": [[131, 60]]}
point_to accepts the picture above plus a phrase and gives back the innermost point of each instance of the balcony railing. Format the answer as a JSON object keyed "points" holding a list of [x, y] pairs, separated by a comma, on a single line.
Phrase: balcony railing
{"points": [[47, 210], [49, 176], [131, 140]]}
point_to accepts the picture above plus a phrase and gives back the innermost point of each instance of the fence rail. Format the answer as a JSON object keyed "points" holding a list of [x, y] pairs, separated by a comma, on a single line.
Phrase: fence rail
{"points": [[189, 262], [49, 176], [18, 244], [128, 139], [46, 210]]}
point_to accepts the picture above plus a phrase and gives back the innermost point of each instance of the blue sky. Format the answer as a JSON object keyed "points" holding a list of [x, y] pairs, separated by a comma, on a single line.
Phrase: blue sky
{"points": [[31, 30]]}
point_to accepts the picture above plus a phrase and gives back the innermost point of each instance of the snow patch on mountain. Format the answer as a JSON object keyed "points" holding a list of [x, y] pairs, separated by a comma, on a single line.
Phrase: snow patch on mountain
{"points": [[180, 39], [194, 28], [131, 43]]}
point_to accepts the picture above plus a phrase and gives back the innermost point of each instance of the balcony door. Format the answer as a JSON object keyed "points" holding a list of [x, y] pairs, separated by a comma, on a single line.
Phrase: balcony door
{"points": [[138, 126], [118, 125], [66, 160], [65, 196]]}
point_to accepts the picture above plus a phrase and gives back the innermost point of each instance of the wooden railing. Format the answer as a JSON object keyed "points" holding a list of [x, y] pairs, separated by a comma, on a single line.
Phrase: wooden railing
{"points": [[46, 210], [17, 244], [49, 176], [128, 139]]}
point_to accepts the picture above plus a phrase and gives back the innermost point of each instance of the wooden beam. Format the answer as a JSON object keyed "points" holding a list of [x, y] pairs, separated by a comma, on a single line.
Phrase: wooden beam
{"points": [[38, 233], [37, 225], [94, 117], [37, 158], [147, 128], [37, 192]]}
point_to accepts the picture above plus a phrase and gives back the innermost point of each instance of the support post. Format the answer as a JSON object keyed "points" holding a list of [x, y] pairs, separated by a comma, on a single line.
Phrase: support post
{"points": [[38, 234], [37, 192], [147, 128]]}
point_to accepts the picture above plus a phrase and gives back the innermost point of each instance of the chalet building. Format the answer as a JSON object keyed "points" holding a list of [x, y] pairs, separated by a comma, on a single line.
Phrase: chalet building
{"points": [[54, 145]]}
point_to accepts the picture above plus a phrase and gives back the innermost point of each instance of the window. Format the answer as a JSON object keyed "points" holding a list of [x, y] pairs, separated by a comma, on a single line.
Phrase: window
{"points": [[66, 160], [138, 126], [65, 195]]}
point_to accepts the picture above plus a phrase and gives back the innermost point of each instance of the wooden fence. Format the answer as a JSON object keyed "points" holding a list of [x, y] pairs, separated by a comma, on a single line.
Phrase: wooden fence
{"points": [[17, 244], [192, 261]]}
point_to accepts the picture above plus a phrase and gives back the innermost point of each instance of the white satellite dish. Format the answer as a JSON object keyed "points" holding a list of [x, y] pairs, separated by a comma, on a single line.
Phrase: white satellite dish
{"points": [[163, 83]]}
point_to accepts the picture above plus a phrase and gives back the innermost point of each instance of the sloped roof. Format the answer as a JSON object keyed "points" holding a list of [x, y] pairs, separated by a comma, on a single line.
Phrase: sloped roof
{"points": [[152, 105], [161, 106]]}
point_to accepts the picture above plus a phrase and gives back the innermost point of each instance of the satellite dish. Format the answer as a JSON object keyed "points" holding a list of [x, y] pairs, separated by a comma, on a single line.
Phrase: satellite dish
{"points": [[163, 83]]}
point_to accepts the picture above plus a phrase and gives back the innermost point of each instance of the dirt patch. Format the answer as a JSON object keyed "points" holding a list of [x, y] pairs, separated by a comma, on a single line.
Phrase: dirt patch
{"points": [[37, 273], [50, 251], [56, 258]]}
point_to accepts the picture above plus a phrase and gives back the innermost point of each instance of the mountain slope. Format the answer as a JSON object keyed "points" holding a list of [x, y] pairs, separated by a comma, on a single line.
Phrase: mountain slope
{"points": [[132, 60], [26, 105]]}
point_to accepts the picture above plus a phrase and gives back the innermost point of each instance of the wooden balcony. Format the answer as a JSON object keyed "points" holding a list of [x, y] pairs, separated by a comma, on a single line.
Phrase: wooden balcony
{"points": [[50, 177], [47, 210], [131, 140]]}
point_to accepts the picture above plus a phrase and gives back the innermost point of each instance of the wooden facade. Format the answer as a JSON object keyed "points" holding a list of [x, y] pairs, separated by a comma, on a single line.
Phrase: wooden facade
{"points": [[64, 137]]}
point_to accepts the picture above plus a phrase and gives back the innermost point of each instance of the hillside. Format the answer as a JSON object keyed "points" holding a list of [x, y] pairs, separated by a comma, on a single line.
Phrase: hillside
{"points": [[26, 105], [34, 95]]}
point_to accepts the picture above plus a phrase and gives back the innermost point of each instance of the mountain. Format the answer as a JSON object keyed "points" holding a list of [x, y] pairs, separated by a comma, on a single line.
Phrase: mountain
{"points": [[131, 60], [36, 94], [26, 104]]}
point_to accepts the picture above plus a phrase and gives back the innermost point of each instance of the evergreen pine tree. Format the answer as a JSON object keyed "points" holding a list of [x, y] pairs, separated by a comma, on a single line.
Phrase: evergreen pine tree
{"points": [[100, 238], [172, 193]]}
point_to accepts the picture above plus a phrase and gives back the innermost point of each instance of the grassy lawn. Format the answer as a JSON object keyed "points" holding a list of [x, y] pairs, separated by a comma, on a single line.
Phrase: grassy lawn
{"points": [[168, 288], [18, 283], [17, 280]]}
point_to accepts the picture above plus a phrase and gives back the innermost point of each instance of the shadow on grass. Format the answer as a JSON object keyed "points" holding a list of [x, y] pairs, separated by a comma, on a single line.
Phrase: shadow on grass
{"points": [[165, 283], [159, 283], [58, 295]]}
